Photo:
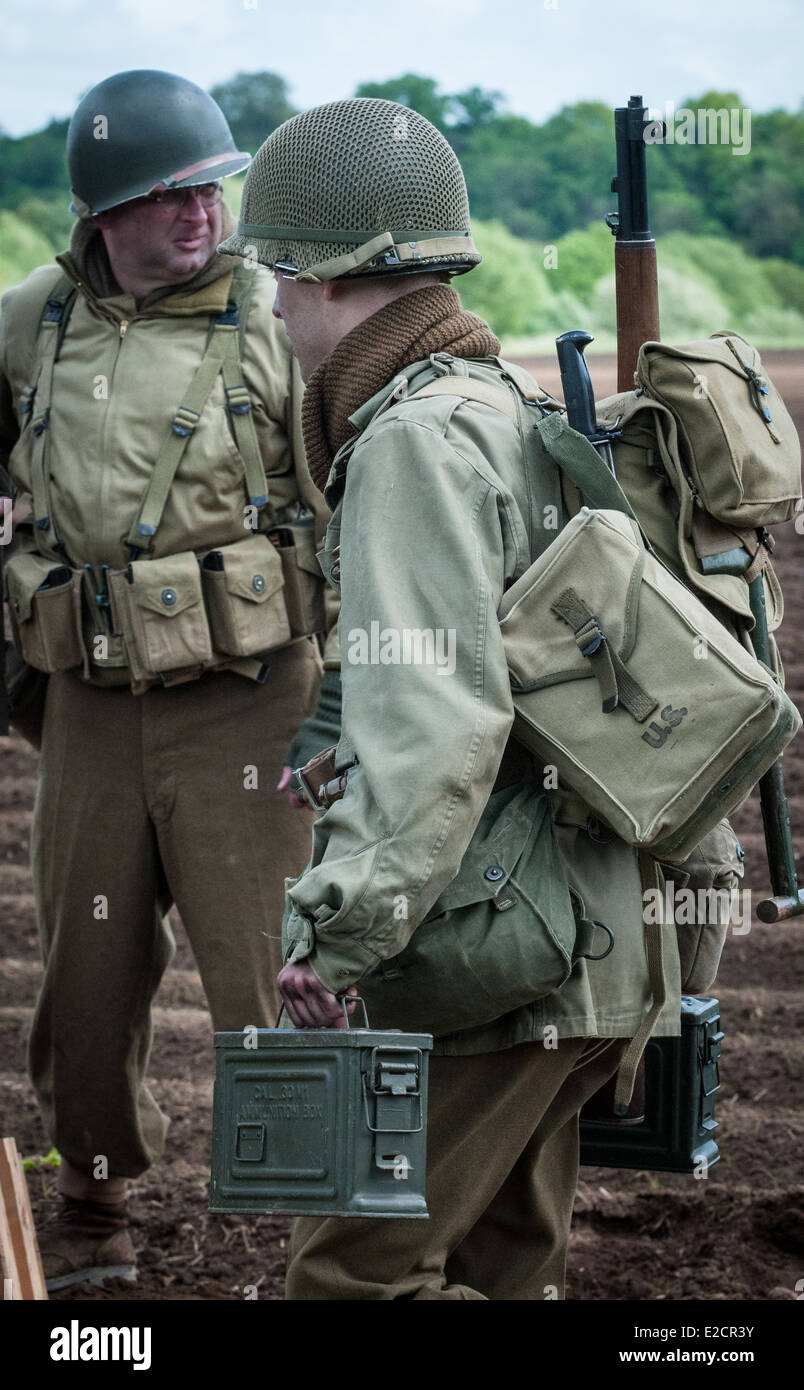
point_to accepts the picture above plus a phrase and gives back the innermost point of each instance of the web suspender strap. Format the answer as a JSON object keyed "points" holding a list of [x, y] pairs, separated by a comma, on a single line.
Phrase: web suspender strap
{"points": [[222, 355], [238, 401], [36, 401]]}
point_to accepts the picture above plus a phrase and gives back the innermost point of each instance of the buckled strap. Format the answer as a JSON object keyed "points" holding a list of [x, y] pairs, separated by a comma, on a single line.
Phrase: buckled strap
{"points": [[36, 399], [40, 422], [238, 403], [185, 421], [170, 455], [616, 683], [222, 356], [651, 877]]}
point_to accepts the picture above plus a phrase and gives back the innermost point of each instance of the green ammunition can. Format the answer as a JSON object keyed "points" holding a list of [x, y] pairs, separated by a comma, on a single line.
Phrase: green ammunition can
{"points": [[682, 1077], [320, 1122]]}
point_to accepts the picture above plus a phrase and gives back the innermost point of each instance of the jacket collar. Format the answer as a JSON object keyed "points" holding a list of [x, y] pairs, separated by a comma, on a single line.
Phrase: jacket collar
{"points": [[87, 265]]}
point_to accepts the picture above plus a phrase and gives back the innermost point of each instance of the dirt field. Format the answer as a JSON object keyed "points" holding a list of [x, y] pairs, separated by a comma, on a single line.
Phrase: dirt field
{"points": [[737, 1235]]}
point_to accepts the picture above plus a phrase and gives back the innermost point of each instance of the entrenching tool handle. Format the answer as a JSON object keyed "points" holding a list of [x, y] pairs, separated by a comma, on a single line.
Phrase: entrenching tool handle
{"points": [[787, 900]]}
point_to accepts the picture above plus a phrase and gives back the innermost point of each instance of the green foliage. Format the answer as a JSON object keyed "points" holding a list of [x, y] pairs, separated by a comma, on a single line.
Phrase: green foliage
{"points": [[689, 307], [52, 219], [787, 280], [233, 192], [583, 258], [509, 289], [254, 104], [738, 277], [533, 187], [33, 164], [22, 249], [419, 93], [51, 1160]]}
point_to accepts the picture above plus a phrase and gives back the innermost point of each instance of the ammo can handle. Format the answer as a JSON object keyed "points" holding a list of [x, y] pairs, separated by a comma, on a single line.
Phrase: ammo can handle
{"points": [[355, 999], [345, 999]]}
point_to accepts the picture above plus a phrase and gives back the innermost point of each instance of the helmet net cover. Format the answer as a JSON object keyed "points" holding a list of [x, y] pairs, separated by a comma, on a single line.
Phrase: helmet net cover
{"points": [[361, 167]]}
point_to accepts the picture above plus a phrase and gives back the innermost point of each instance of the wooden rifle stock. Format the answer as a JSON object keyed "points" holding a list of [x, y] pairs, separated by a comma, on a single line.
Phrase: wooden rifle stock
{"points": [[637, 304]]}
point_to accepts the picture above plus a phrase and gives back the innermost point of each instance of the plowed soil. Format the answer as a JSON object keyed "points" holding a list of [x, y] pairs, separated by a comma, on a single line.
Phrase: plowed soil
{"points": [[738, 1234]]}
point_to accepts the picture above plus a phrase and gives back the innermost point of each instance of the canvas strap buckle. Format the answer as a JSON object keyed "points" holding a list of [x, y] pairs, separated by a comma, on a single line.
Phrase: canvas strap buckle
{"points": [[185, 421], [617, 685], [237, 399]]}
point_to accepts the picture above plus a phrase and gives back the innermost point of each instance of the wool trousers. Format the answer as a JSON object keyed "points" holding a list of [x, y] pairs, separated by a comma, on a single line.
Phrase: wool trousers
{"points": [[145, 801], [502, 1169]]}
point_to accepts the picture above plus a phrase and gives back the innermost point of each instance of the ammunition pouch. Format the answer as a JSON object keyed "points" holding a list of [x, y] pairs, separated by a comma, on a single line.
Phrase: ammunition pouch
{"points": [[158, 607], [243, 586], [301, 572], [183, 613], [44, 599]]}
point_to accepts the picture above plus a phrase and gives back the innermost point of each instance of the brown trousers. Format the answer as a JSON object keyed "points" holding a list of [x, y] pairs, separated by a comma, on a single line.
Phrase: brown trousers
{"points": [[502, 1168], [144, 801]]}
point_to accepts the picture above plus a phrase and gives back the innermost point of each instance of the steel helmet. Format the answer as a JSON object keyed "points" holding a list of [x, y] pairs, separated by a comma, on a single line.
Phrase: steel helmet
{"points": [[358, 187], [143, 132]]}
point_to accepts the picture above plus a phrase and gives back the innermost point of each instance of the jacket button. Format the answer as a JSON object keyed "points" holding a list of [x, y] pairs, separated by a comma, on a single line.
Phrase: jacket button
{"points": [[493, 873], [335, 572], [258, 584], [168, 597]]}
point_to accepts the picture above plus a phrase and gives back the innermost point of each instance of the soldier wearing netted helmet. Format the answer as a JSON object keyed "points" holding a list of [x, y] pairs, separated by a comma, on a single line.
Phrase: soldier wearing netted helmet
{"points": [[165, 611], [437, 860]]}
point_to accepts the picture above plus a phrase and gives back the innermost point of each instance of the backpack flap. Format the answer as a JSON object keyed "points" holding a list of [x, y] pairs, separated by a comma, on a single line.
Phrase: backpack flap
{"points": [[652, 475], [736, 441], [604, 650]]}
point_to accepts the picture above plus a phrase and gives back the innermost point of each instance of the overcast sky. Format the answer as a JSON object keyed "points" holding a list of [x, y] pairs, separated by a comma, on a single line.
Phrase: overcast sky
{"points": [[539, 53]]}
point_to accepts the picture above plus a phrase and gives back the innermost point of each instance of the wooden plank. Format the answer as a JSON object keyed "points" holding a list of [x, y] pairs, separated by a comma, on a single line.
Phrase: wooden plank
{"points": [[19, 1252]]}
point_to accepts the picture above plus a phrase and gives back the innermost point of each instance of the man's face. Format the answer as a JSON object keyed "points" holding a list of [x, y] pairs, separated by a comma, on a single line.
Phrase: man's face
{"points": [[164, 243], [303, 310]]}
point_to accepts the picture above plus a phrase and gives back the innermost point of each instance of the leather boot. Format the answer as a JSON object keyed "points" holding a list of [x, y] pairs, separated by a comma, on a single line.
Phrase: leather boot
{"points": [[88, 1241]]}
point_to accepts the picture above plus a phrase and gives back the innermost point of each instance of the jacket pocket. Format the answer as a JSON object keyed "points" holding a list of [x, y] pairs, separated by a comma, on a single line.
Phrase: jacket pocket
{"points": [[44, 600], [702, 889], [243, 587], [159, 609], [502, 934]]}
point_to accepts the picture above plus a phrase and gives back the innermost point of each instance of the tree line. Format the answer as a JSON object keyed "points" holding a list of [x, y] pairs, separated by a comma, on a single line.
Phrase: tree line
{"points": [[539, 181]]}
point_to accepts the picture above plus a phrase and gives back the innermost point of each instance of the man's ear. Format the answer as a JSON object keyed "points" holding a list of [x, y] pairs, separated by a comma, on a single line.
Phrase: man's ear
{"points": [[103, 220], [333, 289]]}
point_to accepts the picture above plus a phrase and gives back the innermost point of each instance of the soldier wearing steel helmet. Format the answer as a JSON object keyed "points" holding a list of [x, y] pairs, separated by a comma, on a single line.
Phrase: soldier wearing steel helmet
{"points": [[436, 820], [165, 591]]}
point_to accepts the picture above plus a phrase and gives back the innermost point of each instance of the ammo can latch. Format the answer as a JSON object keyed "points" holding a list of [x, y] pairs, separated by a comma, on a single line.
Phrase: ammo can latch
{"points": [[709, 1055], [392, 1082]]}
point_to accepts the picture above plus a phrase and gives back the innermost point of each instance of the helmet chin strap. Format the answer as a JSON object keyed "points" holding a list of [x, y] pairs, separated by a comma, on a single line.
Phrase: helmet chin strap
{"points": [[393, 252]]}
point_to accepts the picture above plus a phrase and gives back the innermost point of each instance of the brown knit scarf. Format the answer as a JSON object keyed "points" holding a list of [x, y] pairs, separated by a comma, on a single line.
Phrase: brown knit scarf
{"points": [[405, 331]]}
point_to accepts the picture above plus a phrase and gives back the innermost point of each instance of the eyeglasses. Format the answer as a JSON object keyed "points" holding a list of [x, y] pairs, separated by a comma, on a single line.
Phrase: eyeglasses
{"points": [[208, 194]]}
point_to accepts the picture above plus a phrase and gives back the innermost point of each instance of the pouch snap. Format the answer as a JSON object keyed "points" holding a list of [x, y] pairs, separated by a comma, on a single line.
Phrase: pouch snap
{"points": [[168, 597], [494, 873]]}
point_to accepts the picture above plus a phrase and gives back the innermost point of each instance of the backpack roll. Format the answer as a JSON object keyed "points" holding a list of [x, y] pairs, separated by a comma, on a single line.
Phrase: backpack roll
{"points": [[646, 706], [737, 443]]}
